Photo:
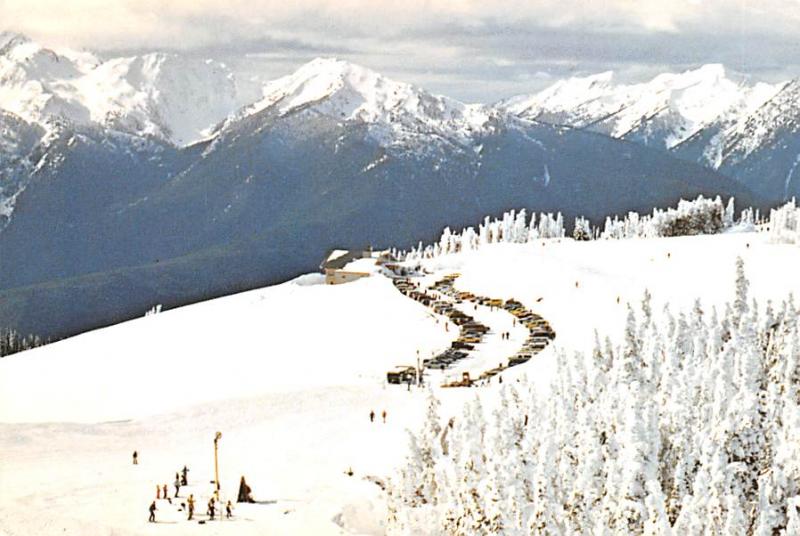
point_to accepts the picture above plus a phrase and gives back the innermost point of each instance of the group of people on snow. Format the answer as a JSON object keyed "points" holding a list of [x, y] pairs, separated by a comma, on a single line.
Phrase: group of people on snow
{"points": [[181, 479], [213, 507], [372, 416]]}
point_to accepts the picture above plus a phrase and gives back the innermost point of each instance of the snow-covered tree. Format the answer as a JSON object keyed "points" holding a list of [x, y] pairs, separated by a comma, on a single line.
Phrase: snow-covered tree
{"points": [[582, 230], [689, 426]]}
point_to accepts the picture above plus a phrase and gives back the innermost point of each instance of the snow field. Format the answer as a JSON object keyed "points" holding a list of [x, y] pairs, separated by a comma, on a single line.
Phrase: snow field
{"points": [[289, 374], [280, 339]]}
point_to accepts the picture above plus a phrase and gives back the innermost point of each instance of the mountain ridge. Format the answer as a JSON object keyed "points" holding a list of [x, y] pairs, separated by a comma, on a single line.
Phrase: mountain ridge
{"points": [[333, 155]]}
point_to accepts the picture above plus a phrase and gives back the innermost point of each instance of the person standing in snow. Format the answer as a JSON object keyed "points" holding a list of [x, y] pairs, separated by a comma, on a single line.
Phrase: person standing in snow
{"points": [[153, 509], [164, 491], [384, 416], [177, 484], [185, 476], [372, 416], [228, 509], [190, 500], [211, 508], [158, 491], [135, 458]]}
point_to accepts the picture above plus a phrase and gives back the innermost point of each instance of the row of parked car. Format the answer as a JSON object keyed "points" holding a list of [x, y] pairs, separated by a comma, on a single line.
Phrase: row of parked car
{"points": [[471, 332], [539, 331]]}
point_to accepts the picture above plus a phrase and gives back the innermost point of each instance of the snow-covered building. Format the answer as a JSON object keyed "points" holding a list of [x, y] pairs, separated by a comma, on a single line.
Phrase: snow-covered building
{"points": [[344, 266]]}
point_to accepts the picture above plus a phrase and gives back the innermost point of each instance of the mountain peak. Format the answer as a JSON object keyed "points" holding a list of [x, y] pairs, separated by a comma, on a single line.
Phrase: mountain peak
{"points": [[708, 74], [716, 70], [330, 66], [396, 113], [323, 78]]}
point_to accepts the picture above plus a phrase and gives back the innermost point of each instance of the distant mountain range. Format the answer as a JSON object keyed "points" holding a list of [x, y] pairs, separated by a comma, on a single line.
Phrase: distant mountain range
{"points": [[749, 131], [159, 179]]}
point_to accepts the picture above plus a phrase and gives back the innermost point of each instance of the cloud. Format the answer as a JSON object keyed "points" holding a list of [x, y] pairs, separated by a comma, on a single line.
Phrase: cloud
{"points": [[475, 49], [192, 23]]}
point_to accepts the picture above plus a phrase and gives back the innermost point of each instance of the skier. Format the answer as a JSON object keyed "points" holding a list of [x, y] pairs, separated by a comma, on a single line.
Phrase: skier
{"points": [[164, 491], [372, 416], [384, 416], [191, 506], [177, 484], [185, 476], [228, 509], [152, 512], [135, 458], [211, 508], [158, 491]]}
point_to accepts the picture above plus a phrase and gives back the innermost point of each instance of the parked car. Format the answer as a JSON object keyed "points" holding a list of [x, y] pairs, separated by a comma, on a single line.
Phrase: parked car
{"points": [[402, 374]]}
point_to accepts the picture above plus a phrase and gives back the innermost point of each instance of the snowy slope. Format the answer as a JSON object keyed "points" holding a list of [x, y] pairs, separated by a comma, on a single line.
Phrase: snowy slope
{"points": [[291, 337], [47, 94], [662, 112], [764, 148], [289, 374], [396, 112], [778, 116], [166, 95], [747, 130], [181, 98]]}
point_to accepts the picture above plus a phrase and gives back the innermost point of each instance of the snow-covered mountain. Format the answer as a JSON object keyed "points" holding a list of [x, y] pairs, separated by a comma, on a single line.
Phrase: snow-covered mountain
{"points": [[46, 94], [664, 111], [173, 97], [748, 130], [107, 199], [396, 113], [761, 149]]}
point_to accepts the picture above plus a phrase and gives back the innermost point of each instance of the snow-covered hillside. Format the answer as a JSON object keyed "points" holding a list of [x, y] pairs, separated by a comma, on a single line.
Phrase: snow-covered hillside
{"points": [[748, 130], [182, 98], [662, 112], [290, 373], [173, 97], [395, 111], [704, 116]]}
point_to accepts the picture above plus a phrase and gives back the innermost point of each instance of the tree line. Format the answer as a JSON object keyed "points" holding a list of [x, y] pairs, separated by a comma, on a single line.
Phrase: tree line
{"points": [[11, 342]]}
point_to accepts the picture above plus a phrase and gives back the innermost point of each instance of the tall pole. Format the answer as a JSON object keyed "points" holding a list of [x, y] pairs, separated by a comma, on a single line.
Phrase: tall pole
{"points": [[216, 463], [419, 370]]}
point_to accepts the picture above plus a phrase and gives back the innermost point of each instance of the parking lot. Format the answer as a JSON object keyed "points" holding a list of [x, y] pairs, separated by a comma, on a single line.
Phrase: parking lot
{"points": [[492, 334]]}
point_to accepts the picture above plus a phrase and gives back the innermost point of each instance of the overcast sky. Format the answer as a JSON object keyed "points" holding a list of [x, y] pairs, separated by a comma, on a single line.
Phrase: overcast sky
{"points": [[475, 50]]}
